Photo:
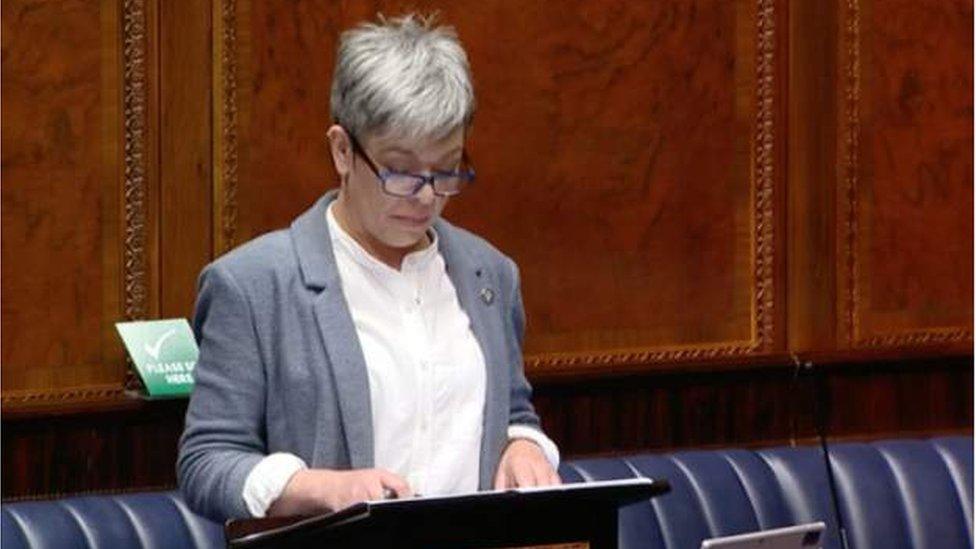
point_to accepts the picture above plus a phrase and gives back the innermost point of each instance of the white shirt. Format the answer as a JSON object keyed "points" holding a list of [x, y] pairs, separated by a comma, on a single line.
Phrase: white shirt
{"points": [[426, 376]]}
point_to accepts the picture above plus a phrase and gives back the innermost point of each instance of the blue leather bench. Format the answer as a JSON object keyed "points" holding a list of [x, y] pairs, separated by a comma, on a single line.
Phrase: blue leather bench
{"points": [[892, 494]]}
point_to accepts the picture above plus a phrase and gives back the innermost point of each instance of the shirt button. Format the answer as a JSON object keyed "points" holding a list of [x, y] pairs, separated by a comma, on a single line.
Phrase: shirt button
{"points": [[417, 301]]}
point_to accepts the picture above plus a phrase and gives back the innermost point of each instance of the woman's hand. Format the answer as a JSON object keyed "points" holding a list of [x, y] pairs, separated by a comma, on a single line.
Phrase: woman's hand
{"points": [[313, 491], [522, 465]]}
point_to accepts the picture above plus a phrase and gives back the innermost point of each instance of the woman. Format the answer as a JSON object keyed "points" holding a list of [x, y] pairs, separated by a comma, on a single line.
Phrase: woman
{"points": [[373, 349]]}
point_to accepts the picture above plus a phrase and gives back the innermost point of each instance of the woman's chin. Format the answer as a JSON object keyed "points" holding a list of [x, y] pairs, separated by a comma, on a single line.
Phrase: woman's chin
{"points": [[406, 239]]}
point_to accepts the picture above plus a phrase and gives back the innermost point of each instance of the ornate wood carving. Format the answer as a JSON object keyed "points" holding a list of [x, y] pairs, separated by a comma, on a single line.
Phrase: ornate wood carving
{"points": [[135, 127], [136, 158], [227, 125], [764, 173], [918, 338], [594, 361], [852, 93], [20, 399]]}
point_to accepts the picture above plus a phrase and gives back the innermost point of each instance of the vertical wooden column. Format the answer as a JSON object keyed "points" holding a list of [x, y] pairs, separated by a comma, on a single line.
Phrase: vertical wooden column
{"points": [[185, 163], [811, 275]]}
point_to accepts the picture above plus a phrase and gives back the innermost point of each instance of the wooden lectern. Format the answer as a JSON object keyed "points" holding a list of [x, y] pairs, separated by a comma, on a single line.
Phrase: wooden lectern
{"points": [[583, 514]]}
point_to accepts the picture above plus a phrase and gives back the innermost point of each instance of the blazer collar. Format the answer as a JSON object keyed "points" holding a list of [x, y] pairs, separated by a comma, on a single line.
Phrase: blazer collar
{"points": [[313, 245]]}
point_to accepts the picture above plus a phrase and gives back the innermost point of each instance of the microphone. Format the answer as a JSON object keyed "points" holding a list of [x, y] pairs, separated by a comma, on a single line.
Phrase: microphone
{"points": [[820, 418]]}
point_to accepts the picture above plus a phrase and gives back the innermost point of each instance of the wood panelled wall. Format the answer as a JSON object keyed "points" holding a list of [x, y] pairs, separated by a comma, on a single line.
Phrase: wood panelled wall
{"points": [[639, 143], [694, 191]]}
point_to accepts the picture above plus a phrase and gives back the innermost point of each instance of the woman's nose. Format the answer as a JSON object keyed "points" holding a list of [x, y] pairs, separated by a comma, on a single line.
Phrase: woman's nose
{"points": [[426, 194]]}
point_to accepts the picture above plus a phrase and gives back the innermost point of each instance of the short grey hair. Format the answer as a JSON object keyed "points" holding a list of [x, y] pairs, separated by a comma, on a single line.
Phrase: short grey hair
{"points": [[402, 76]]}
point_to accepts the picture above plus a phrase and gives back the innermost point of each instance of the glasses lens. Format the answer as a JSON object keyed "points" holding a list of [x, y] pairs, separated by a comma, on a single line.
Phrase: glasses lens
{"points": [[409, 185], [448, 185], [401, 184]]}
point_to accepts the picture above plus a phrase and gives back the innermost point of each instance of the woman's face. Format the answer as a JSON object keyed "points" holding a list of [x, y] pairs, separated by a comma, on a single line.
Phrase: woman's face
{"points": [[388, 222]]}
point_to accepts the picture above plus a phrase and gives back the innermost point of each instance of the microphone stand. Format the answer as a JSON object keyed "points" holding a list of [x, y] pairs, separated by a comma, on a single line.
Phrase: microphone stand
{"points": [[820, 387]]}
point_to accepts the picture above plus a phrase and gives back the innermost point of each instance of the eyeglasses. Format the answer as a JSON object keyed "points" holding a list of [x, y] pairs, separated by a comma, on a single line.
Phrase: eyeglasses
{"points": [[405, 184]]}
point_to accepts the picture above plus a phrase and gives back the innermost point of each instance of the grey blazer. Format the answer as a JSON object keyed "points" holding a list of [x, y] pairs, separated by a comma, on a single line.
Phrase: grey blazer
{"points": [[281, 369]]}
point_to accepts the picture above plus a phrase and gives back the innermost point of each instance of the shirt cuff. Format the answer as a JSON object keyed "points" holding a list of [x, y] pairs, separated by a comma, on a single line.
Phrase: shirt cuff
{"points": [[531, 433], [267, 480]]}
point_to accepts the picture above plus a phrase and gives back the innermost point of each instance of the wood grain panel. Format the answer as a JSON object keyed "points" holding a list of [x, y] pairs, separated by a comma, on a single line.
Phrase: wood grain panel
{"points": [[52, 195], [906, 168], [811, 187], [79, 166], [637, 143]]}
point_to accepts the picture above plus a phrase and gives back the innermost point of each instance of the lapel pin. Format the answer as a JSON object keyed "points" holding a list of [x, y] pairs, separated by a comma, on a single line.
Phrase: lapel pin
{"points": [[487, 295]]}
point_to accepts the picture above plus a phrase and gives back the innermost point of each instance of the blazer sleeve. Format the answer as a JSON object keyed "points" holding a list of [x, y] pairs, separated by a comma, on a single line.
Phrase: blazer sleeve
{"points": [[521, 411], [224, 434]]}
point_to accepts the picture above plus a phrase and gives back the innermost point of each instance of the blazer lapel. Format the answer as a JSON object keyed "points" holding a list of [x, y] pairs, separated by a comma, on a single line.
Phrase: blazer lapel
{"points": [[477, 290], [313, 245]]}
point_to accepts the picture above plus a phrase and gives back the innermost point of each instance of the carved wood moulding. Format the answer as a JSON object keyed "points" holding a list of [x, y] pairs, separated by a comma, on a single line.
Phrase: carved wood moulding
{"points": [[135, 112], [226, 126], [764, 173], [851, 160], [32, 398], [596, 361], [135, 116], [934, 336]]}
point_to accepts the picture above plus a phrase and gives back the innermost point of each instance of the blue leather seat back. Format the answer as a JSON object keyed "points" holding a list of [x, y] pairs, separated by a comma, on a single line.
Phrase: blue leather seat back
{"points": [[802, 479], [153, 520], [928, 498], [863, 480], [895, 494], [957, 453], [911, 494], [760, 484], [637, 523], [713, 493]]}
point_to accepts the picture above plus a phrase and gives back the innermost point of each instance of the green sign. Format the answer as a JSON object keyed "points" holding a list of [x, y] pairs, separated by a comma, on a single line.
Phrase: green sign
{"points": [[164, 353]]}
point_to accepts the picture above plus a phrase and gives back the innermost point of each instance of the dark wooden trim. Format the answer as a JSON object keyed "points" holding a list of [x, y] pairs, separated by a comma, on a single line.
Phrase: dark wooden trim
{"points": [[106, 492], [53, 403], [186, 158], [75, 403], [807, 440], [583, 371]]}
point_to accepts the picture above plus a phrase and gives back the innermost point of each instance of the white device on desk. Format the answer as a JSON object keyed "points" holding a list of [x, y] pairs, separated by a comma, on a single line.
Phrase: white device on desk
{"points": [[803, 536]]}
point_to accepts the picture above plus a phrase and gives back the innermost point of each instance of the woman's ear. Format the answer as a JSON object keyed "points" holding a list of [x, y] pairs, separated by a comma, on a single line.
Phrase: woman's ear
{"points": [[341, 148]]}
